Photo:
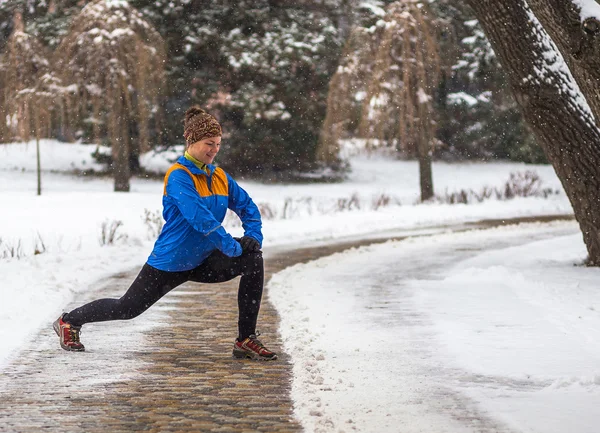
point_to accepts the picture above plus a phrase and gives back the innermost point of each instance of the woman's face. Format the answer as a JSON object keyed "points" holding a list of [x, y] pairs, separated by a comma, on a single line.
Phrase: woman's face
{"points": [[206, 149]]}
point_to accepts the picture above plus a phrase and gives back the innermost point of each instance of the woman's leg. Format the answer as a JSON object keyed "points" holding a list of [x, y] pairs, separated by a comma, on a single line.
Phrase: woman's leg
{"points": [[218, 268], [150, 285]]}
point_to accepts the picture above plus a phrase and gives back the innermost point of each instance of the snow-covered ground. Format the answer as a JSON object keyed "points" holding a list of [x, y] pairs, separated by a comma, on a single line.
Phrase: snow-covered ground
{"points": [[67, 219], [492, 330]]}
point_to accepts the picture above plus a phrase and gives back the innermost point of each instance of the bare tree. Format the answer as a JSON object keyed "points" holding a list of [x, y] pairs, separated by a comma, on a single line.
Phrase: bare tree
{"points": [[552, 102], [111, 64], [399, 64], [343, 113], [407, 57], [25, 62]]}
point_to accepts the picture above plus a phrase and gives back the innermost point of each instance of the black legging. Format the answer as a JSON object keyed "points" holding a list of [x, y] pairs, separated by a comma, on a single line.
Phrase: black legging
{"points": [[152, 284]]}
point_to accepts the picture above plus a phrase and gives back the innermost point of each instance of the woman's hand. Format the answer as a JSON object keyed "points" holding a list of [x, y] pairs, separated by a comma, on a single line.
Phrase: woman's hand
{"points": [[249, 244]]}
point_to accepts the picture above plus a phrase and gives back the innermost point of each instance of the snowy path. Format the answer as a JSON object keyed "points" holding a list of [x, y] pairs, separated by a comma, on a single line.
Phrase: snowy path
{"points": [[405, 319], [160, 373]]}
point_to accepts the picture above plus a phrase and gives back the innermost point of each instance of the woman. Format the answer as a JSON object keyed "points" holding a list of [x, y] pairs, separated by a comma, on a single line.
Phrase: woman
{"points": [[193, 245]]}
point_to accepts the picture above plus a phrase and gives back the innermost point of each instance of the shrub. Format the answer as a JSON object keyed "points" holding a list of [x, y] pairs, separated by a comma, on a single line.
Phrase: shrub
{"points": [[519, 184], [108, 232], [154, 222], [381, 200], [266, 211], [40, 246], [10, 250], [353, 202]]}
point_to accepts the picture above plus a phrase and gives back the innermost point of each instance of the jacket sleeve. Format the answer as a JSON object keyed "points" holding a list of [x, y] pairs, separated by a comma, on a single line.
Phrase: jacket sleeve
{"points": [[180, 188], [241, 203]]}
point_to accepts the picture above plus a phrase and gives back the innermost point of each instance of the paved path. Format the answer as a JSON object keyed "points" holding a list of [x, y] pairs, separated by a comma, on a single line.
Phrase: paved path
{"points": [[157, 373]]}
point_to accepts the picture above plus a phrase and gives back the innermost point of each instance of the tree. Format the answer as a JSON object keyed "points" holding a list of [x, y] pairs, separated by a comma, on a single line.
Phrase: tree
{"points": [[554, 104], [261, 66], [25, 62], [279, 60], [478, 117], [405, 77], [346, 90], [111, 67], [348, 85], [398, 61]]}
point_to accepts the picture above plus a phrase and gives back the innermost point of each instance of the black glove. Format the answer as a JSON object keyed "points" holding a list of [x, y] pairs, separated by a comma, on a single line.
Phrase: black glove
{"points": [[249, 245]]}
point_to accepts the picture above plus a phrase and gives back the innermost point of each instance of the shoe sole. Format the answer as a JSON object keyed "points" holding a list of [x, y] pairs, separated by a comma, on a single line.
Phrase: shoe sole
{"points": [[56, 327], [241, 354]]}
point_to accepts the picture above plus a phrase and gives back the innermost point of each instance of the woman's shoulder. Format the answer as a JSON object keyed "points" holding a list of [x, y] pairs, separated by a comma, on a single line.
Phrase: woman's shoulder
{"points": [[219, 171]]}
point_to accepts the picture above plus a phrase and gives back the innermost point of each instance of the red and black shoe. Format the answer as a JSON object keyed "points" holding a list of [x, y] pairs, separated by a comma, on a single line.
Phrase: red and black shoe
{"points": [[69, 335], [252, 348]]}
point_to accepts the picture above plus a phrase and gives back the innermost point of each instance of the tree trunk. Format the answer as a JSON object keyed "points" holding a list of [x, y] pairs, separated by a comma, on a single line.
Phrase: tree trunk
{"points": [[552, 105], [346, 18], [135, 167], [18, 25], [3, 113], [37, 149], [120, 165], [140, 144], [120, 150], [425, 174]]}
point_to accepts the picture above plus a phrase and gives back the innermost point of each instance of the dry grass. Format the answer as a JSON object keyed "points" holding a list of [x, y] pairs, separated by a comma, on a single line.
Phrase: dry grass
{"points": [[109, 232], [154, 222], [520, 184], [14, 249]]}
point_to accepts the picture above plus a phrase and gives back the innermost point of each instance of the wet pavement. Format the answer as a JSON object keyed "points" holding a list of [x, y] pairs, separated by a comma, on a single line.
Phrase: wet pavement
{"points": [[171, 369]]}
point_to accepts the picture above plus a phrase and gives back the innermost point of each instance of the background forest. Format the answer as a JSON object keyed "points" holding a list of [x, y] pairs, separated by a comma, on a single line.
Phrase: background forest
{"points": [[287, 79]]}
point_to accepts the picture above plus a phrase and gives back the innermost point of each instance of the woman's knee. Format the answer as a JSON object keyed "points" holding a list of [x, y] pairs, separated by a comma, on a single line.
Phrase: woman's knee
{"points": [[130, 310], [253, 260]]}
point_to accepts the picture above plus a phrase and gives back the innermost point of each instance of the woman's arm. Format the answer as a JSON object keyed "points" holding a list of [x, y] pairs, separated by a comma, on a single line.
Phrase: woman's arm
{"points": [[241, 203]]}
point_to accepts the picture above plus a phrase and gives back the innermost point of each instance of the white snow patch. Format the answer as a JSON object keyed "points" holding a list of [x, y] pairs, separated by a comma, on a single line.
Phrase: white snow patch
{"points": [[460, 98], [427, 334], [588, 9]]}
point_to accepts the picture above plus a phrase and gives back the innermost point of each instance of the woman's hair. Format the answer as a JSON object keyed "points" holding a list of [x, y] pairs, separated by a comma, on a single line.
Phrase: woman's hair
{"points": [[198, 124], [192, 112]]}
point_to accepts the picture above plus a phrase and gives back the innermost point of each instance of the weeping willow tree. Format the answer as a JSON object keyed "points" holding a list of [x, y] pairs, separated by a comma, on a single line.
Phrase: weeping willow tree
{"points": [[343, 113], [400, 71], [111, 65], [25, 63], [405, 75]]}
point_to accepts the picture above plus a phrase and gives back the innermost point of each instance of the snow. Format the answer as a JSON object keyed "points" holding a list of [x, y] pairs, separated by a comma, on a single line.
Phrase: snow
{"points": [[56, 156], [462, 97], [422, 96], [382, 298], [117, 4], [373, 8], [415, 335], [588, 9]]}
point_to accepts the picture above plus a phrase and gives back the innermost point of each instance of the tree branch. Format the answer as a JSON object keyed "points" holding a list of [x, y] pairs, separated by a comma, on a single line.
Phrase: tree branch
{"points": [[577, 41]]}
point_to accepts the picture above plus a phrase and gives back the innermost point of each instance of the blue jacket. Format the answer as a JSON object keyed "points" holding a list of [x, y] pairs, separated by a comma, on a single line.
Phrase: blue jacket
{"points": [[194, 206]]}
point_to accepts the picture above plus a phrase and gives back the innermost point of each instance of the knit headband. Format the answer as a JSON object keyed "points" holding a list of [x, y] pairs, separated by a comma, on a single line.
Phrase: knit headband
{"points": [[198, 125]]}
